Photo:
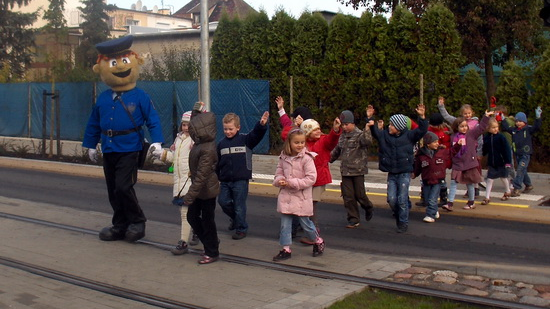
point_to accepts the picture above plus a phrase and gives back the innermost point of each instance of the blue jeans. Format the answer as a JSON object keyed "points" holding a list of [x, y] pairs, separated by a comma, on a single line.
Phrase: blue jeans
{"points": [[398, 196], [285, 236], [470, 189], [430, 196], [232, 199], [522, 178]]}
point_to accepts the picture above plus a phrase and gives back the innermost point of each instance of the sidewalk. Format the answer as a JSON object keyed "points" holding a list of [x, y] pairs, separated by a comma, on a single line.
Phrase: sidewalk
{"points": [[223, 284]]}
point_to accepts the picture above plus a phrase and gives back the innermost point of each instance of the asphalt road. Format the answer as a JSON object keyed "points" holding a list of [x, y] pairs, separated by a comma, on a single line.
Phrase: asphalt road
{"points": [[459, 238]]}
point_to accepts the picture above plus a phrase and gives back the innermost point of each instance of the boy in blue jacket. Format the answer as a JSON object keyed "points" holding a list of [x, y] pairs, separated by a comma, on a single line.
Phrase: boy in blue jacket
{"points": [[522, 145], [234, 169], [396, 155]]}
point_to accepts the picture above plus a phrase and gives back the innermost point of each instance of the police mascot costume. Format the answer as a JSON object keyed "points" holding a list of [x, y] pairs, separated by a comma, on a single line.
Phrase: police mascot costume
{"points": [[117, 119]]}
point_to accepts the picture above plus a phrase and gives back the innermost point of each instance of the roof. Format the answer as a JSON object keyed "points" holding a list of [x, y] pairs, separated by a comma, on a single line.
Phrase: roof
{"points": [[216, 7]]}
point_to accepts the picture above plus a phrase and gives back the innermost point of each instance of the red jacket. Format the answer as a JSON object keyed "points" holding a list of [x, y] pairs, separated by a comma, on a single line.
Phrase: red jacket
{"points": [[432, 168], [444, 135], [323, 147]]}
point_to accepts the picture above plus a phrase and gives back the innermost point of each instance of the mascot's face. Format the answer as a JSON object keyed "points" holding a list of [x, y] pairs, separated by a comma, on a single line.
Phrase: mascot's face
{"points": [[120, 73]]}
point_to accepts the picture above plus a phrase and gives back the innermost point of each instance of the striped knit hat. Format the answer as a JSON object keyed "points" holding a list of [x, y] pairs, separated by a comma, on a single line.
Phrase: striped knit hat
{"points": [[399, 121]]}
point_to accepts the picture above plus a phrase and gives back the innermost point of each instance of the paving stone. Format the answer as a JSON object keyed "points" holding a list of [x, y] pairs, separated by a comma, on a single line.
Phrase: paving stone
{"points": [[476, 278], [504, 296], [444, 279], [527, 292], [445, 273], [422, 276], [524, 285], [501, 282], [475, 292], [545, 295], [502, 289], [536, 301], [542, 288], [474, 284], [418, 270], [402, 276]]}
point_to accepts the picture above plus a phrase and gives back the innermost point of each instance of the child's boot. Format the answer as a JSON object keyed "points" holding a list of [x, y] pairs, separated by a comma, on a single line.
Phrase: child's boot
{"points": [[448, 206]]}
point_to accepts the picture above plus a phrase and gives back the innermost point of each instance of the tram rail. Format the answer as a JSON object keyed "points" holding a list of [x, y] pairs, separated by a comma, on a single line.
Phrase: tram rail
{"points": [[304, 271]]}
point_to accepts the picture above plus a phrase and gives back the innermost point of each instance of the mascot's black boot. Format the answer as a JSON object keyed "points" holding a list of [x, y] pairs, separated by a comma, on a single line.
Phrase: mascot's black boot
{"points": [[135, 231], [111, 233]]}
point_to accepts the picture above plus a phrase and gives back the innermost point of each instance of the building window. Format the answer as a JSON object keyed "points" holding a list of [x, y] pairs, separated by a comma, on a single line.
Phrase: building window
{"points": [[132, 22]]}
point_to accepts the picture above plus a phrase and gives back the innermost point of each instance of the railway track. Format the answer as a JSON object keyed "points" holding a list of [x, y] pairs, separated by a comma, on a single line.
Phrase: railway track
{"points": [[169, 303]]}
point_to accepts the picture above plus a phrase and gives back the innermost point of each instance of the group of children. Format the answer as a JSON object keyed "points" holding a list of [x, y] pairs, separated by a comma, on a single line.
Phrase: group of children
{"points": [[303, 172]]}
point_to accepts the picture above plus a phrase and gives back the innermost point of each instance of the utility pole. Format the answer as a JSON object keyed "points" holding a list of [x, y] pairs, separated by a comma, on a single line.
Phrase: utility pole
{"points": [[205, 57]]}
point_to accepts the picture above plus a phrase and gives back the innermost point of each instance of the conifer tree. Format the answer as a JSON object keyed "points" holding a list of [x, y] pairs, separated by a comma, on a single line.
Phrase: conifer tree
{"points": [[254, 49], [94, 30], [339, 91], [440, 54], [511, 88], [308, 52], [402, 67], [226, 49], [16, 39], [370, 55], [470, 90], [541, 97]]}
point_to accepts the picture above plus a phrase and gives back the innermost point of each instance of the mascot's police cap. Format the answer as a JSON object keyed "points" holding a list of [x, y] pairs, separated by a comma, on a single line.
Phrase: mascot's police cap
{"points": [[116, 47]]}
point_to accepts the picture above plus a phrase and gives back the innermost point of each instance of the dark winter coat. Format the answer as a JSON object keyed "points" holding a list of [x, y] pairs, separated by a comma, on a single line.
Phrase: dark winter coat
{"points": [[235, 154], [497, 150], [522, 139], [203, 159], [396, 152]]}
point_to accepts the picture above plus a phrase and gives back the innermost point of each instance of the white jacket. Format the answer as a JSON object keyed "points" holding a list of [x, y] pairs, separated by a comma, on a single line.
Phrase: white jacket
{"points": [[180, 158]]}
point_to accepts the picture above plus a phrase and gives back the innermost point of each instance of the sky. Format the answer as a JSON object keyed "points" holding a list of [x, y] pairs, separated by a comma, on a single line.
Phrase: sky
{"points": [[293, 7]]}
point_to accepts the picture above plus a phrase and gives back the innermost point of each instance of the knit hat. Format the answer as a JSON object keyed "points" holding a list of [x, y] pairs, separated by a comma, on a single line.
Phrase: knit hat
{"points": [[521, 117], [430, 137], [309, 125], [399, 121], [347, 117], [186, 117], [302, 111], [436, 119]]}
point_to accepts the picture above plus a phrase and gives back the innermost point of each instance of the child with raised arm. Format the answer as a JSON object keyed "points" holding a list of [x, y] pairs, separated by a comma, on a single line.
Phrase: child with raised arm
{"points": [[352, 150], [322, 145], [396, 155], [431, 161], [464, 158], [467, 112], [300, 114], [295, 176], [522, 144], [178, 155], [499, 160], [234, 169]]}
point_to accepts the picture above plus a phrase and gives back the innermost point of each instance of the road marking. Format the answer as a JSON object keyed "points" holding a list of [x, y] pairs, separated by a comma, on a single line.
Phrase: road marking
{"points": [[370, 185]]}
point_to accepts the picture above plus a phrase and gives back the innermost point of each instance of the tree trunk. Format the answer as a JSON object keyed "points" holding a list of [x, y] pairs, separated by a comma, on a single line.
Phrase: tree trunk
{"points": [[489, 76]]}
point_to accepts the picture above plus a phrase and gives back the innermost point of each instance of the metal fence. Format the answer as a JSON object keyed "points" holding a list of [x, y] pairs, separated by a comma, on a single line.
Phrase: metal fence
{"points": [[32, 110]]}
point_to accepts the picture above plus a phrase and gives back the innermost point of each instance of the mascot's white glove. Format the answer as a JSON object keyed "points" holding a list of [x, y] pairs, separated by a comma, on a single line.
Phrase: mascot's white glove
{"points": [[92, 154], [156, 150]]}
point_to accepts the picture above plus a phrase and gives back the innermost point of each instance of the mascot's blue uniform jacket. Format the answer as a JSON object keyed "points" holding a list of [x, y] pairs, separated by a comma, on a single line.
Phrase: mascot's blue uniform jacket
{"points": [[109, 114]]}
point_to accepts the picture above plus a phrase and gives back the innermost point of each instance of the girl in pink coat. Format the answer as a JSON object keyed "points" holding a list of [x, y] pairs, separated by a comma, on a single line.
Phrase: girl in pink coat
{"points": [[295, 177]]}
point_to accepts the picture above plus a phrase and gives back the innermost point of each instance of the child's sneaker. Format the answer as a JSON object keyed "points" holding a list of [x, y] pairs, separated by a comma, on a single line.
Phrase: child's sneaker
{"points": [[319, 248], [283, 255], [470, 205], [180, 248], [515, 193], [528, 189], [437, 215], [428, 219]]}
